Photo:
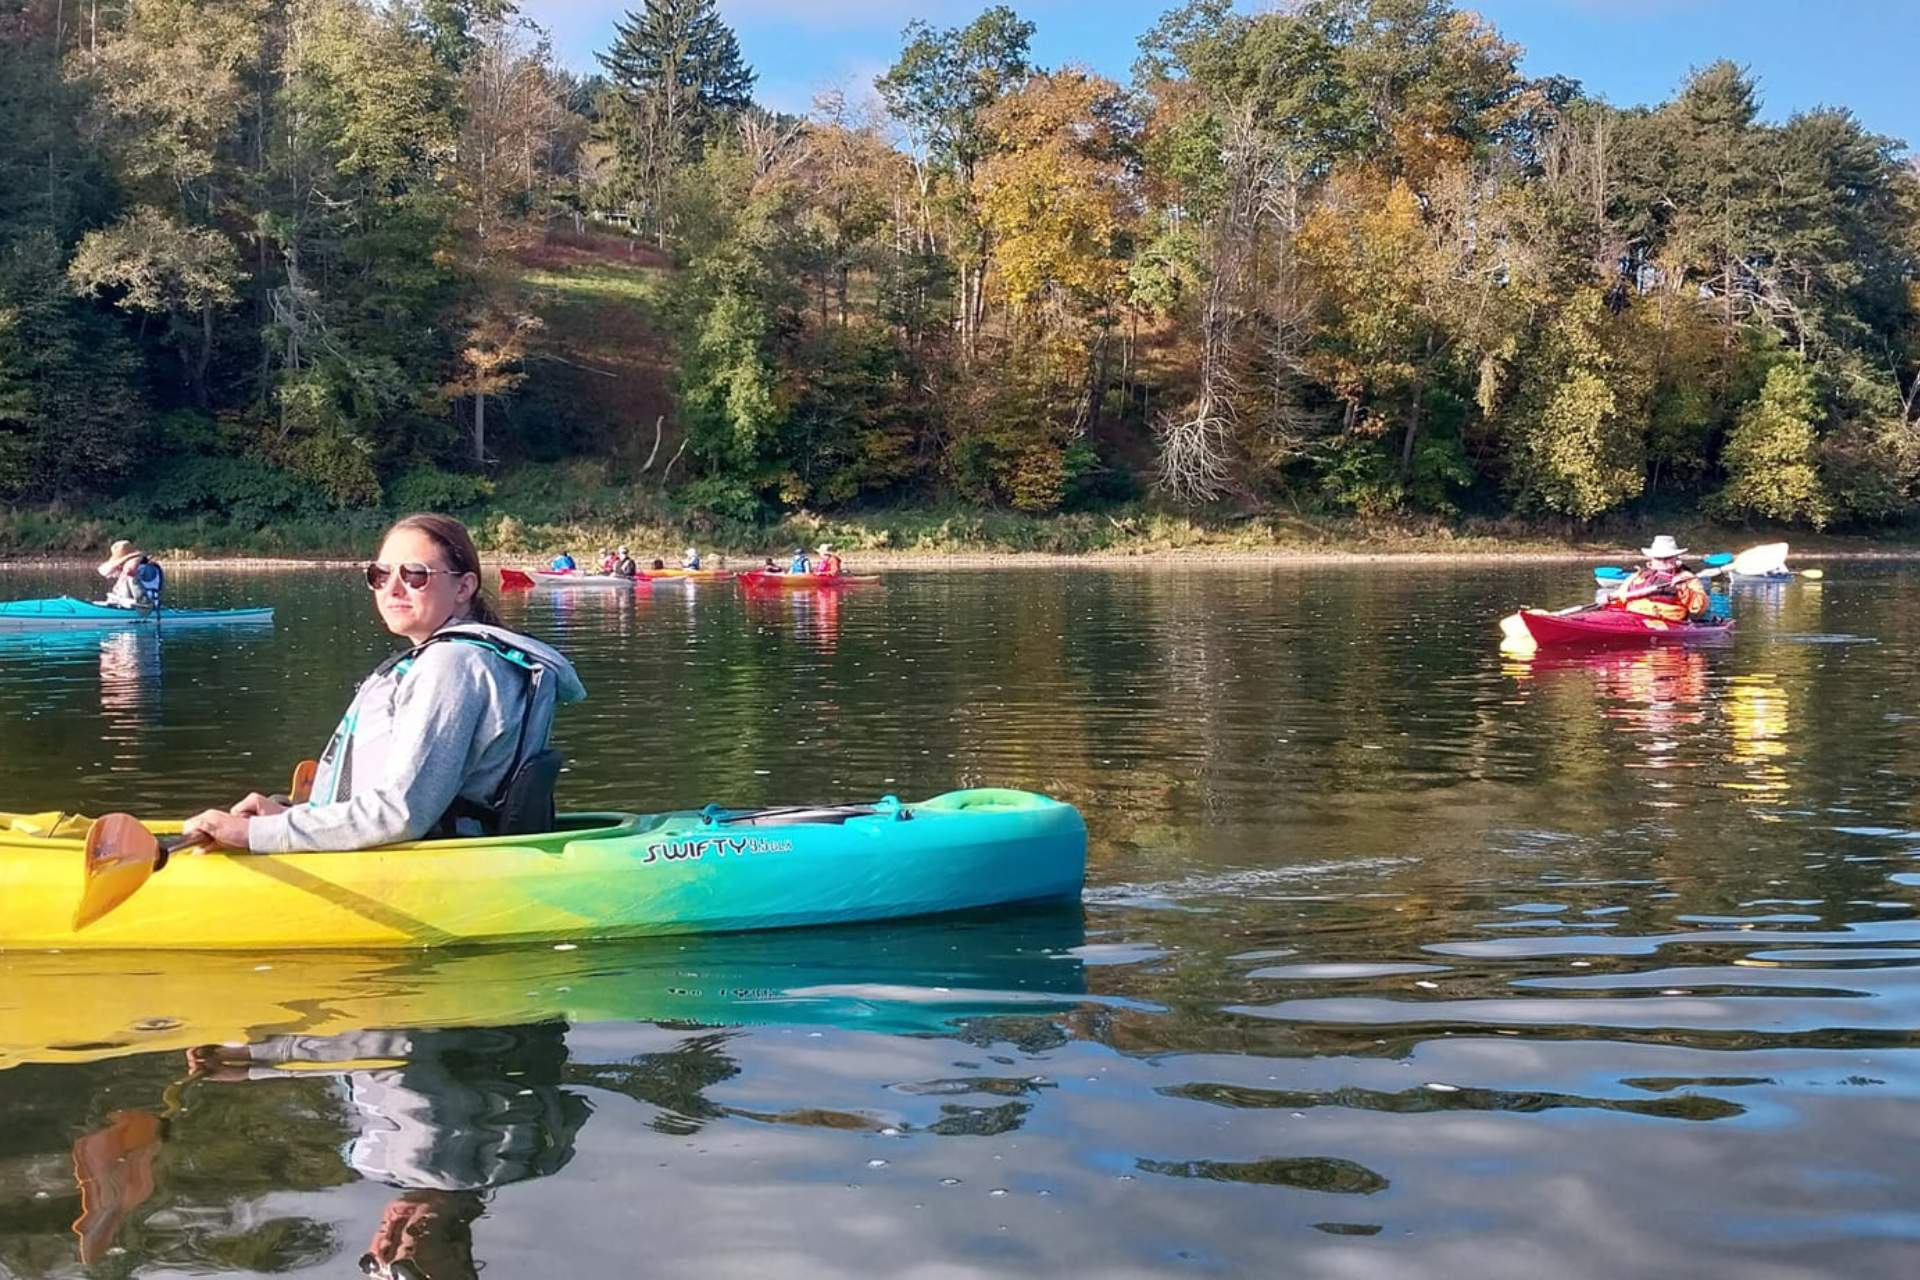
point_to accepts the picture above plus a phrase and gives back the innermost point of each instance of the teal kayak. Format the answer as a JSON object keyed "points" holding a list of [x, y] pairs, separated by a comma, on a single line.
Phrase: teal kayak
{"points": [[65, 611]]}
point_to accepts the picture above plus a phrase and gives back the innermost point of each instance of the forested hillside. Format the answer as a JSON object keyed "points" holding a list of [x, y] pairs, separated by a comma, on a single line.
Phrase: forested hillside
{"points": [[266, 262]]}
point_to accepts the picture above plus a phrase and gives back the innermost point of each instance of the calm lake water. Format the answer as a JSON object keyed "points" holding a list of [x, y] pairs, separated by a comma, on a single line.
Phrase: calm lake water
{"points": [[1398, 957]]}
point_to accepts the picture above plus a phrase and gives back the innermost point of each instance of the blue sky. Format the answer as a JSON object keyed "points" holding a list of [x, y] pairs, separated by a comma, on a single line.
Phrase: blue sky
{"points": [[1853, 53]]}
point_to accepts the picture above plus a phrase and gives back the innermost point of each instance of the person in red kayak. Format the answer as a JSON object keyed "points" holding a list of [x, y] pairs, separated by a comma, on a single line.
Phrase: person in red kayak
{"points": [[829, 564], [1664, 587]]}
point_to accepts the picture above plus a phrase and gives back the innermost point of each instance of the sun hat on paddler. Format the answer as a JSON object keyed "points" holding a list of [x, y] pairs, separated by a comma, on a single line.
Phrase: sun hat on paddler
{"points": [[1663, 548], [122, 552], [824, 548]]}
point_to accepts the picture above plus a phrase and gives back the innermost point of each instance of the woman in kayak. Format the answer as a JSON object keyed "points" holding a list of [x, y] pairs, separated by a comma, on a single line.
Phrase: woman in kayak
{"points": [[136, 579], [829, 562], [1663, 587], [436, 734]]}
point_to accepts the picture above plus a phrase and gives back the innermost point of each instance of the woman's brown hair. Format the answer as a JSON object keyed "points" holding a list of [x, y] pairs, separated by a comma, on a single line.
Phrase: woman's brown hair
{"points": [[462, 556]]}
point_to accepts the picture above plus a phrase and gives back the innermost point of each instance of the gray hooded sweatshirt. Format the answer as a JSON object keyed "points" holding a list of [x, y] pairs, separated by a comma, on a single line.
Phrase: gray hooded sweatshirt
{"points": [[446, 721]]}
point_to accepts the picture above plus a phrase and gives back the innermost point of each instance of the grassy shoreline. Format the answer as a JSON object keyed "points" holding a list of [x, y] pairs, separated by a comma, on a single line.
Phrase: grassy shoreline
{"points": [[926, 539]]}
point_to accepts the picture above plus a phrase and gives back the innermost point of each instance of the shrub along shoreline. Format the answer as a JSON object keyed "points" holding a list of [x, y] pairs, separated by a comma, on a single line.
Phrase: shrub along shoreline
{"points": [[532, 532]]}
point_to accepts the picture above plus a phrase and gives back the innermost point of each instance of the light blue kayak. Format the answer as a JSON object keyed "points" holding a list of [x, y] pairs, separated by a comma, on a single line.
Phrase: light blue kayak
{"points": [[65, 611]]}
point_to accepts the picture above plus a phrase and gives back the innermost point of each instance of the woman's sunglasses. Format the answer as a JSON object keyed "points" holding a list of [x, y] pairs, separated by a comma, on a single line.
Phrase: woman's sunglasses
{"points": [[414, 577]]}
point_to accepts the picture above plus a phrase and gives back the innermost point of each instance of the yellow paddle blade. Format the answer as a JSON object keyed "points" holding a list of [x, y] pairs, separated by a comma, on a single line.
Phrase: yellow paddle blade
{"points": [[120, 855], [1813, 575], [1513, 631]]}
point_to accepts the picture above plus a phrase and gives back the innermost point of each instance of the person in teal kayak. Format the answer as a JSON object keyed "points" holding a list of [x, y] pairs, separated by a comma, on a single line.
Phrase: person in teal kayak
{"points": [[442, 737], [135, 579]]}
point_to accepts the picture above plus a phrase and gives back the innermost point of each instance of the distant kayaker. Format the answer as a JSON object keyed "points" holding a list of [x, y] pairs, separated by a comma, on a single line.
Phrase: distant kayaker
{"points": [[136, 581], [659, 565], [1663, 587], [800, 563], [435, 737], [609, 561], [829, 562], [626, 566], [769, 566], [564, 563], [691, 560]]}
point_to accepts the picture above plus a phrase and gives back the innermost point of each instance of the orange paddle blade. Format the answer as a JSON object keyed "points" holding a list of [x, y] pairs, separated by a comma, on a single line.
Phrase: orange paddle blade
{"points": [[114, 1167], [301, 789], [121, 854]]}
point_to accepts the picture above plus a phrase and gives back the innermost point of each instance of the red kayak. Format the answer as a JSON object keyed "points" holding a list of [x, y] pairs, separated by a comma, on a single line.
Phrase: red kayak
{"points": [[762, 579], [1615, 627]]}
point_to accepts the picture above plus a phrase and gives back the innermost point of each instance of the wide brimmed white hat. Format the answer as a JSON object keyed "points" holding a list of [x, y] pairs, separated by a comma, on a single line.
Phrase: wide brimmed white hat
{"points": [[824, 548], [1663, 548], [121, 552]]}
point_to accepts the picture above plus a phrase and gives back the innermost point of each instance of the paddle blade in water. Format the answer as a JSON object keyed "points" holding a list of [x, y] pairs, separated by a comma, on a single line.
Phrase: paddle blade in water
{"points": [[120, 855], [300, 790], [1813, 575]]}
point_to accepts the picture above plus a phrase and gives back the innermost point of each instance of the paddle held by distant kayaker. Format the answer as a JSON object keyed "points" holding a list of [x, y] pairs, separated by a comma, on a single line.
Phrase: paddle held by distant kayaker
{"points": [[1664, 587], [439, 737]]}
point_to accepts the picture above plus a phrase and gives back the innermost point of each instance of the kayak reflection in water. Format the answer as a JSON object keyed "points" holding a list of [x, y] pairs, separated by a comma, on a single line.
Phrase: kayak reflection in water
{"points": [[444, 1116], [446, 739]]}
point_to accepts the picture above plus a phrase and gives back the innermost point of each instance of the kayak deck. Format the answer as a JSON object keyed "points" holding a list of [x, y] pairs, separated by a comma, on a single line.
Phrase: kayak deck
{"points": [[601, 876]]}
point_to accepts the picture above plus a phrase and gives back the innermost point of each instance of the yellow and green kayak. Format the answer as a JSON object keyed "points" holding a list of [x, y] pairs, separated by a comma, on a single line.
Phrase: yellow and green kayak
{"points": [[600, 876]]}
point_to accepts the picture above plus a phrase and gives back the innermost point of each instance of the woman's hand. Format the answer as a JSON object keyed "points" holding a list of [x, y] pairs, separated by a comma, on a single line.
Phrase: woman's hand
{"points": [[220, 828], [257, 806]]}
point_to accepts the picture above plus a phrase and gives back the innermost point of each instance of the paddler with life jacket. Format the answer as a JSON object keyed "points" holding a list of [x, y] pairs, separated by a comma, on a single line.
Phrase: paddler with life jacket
{"points": [[1663, 587], [136, 579], [446, 739], [829, 564]]}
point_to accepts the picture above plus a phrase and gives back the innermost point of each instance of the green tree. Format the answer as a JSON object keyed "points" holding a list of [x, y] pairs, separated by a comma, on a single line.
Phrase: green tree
{"points": [[70, 419], [678, 77], [1771, 455], [940, 89], [1577, 427]]}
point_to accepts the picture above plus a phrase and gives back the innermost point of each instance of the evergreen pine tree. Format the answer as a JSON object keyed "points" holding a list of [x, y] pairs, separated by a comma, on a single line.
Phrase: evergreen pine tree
{"points": [[678, 75]]}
